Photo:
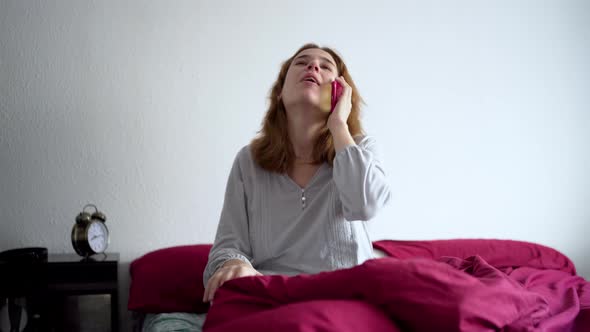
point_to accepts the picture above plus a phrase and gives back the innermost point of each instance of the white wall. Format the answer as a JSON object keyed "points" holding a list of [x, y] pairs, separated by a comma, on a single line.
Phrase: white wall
{"points": [[481, 109]]}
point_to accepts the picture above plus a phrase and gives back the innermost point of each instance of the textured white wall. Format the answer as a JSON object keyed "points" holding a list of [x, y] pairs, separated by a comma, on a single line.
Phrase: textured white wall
{"points": [[481, 109]]}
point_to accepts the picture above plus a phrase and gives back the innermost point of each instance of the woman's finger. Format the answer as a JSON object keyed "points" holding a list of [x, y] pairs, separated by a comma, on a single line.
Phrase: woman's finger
{"points": [[223, 277], [212, 285], [342, 80], [214, 288], [345, 84], [347, 89], [207, 288], [211, 293]]}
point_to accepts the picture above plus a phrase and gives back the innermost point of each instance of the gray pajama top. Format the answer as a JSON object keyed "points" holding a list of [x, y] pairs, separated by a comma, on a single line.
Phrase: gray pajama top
{"points": [[278, 227]]}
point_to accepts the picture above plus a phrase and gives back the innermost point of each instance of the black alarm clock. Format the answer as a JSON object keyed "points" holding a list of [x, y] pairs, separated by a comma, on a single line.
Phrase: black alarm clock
{"points": [[90, 234]]}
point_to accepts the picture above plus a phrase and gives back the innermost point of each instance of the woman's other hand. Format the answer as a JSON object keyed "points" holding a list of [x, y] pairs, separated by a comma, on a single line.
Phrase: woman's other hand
{"points": [[231, 269]]}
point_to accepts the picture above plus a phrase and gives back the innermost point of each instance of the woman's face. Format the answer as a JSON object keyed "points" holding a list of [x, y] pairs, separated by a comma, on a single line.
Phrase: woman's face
{"points": [[309, 69]]}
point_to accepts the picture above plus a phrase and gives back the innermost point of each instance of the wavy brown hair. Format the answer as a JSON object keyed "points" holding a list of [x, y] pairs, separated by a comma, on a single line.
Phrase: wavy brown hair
{"points": [[272, 149]]}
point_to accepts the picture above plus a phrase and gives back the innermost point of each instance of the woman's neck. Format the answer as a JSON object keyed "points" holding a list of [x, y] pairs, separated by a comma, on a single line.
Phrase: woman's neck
{"points": [[304, 128]]}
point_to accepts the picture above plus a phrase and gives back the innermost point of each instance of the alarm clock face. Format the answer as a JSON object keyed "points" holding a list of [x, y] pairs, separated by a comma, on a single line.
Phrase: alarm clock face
{"points": [[98, 237]]}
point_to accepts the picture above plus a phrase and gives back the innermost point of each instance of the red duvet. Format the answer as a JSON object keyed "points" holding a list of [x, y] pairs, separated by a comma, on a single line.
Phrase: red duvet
{"points": [[412, 294]]}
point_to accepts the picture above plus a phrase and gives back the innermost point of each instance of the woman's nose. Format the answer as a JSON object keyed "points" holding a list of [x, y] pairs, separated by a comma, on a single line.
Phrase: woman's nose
{"points": [[313, 66]]}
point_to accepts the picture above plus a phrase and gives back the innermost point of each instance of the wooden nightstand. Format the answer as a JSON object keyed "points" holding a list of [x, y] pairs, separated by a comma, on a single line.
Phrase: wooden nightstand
{"points": [[53, 290], [69, 275]]}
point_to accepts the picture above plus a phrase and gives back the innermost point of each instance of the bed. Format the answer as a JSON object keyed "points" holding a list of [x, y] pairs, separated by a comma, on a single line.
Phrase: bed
{"points": [[439, 285]]}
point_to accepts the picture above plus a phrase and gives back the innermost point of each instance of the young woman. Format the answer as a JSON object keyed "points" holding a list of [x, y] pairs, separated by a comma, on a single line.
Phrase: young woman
{"points": [[299, 195]]}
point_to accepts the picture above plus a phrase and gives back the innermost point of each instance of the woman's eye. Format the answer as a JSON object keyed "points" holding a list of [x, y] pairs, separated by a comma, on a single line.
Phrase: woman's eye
{"points": [[299, 63], [327, 67]]}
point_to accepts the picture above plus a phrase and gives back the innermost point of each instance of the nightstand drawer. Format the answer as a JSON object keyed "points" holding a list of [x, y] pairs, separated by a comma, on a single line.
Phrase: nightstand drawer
{"points": [[81, 272]]}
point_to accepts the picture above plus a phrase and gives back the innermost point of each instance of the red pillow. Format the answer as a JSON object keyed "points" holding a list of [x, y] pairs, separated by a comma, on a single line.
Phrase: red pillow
{"points": [[499, 253], [169, 280]]}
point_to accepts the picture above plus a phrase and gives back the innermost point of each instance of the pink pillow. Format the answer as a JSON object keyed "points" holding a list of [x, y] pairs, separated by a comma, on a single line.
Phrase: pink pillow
{"points": [[169, 280], [498, 253]]}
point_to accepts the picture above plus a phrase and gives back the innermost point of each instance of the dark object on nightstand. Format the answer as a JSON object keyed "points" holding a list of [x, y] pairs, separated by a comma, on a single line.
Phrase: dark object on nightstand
{"points": [[22, 278]]}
